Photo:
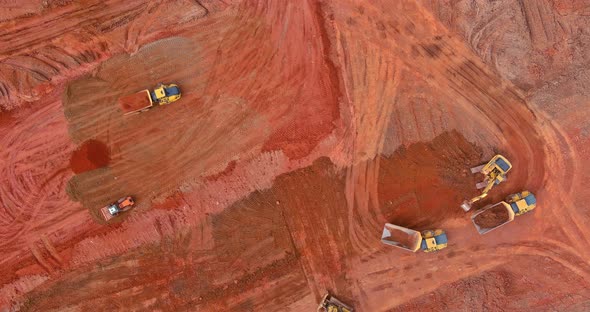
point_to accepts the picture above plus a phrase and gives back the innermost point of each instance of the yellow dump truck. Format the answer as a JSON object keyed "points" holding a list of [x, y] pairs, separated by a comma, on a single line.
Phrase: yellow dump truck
{"points": [[494, 216], [522, 202], [411, 240], [144, 99]]}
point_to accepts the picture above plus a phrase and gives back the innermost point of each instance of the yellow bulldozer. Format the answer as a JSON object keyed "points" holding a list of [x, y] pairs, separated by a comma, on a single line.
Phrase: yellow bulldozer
{"points": [[331, 304], [495, 173]]}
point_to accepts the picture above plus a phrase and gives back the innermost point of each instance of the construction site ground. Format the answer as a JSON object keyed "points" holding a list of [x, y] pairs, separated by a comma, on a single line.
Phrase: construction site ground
{"points": [[302, 129]]}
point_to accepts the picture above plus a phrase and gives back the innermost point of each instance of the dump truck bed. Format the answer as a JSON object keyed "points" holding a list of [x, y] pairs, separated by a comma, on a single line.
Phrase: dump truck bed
{"points": [[492, 217], [136, 102], [401, 237]]}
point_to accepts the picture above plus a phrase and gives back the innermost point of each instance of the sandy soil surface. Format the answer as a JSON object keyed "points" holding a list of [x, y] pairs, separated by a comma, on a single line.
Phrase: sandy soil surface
{"points": [[302, 129]]}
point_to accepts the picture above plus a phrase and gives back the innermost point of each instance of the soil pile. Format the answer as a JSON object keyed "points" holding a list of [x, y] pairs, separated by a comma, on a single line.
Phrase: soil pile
{"points": [[134, 102], [423, 184], [401, 238], [91, 155], [492, 217]]}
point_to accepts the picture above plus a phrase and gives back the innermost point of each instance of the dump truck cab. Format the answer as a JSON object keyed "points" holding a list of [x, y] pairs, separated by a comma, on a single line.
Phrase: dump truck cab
{"points": [[522, 202], [165, 94], [411, 240], [331, 304], [433, 240]]}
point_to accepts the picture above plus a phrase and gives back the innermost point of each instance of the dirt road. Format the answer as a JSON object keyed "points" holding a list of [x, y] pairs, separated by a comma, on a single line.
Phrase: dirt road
{"points": [[302, 129]]}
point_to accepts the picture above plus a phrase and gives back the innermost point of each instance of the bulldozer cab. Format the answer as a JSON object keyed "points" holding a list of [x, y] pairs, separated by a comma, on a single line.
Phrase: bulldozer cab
{"points": [[113, 210]]}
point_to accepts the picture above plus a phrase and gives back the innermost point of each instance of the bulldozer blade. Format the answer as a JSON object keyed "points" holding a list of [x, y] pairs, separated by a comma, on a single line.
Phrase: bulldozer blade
{"points": [[477, 169], [466, 206]]}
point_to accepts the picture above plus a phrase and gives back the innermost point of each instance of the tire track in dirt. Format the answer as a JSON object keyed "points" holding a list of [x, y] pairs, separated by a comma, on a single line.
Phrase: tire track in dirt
{"points": [[207, 121], [62, 43], [554, 31], [540, 22], [492, 105], [485, 290], [152, 227], [26, 186]]}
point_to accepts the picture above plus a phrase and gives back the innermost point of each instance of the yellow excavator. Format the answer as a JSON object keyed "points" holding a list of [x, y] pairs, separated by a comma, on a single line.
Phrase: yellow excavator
{"points": [[331, 304], [495, 173]]}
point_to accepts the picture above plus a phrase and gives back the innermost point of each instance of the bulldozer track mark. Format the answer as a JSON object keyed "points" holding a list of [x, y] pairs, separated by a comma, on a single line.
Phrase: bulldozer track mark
{"points": [[433, 50], [490, 26], [539, 21], [460, 92], [37, 74], [52, 251], [39, 258], [527, 20], [580, 267]]}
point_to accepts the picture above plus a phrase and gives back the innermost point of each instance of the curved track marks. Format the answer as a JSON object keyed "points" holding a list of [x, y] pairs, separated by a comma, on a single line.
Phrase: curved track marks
{"points": [[371, 80], [32, 178]]}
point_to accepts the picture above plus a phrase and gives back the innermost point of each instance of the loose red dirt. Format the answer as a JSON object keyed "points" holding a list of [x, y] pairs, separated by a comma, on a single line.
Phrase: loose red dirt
{"points": [[92, 154], [302, 130], [492, 217]]}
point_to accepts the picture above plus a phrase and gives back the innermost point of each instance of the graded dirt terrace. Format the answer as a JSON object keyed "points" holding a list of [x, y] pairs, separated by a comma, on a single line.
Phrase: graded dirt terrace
{"points": [[302, 129]]}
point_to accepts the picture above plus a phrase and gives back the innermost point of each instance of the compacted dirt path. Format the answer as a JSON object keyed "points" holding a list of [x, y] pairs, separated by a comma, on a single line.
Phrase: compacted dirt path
{"points": [[302, 129]]}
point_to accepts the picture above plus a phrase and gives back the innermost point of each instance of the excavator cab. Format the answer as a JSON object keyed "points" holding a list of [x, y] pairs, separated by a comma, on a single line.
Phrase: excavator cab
{"points": [[494, 171], [331, 304]]}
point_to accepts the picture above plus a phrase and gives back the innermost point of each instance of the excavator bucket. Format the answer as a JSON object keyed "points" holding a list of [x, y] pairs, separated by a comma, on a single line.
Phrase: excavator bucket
{"points": [[477, 169], [331, 304], [466, 205]]}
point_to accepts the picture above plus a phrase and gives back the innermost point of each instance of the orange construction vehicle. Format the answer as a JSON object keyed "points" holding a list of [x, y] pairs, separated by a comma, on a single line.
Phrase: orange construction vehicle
{"points": [[124, 204]]}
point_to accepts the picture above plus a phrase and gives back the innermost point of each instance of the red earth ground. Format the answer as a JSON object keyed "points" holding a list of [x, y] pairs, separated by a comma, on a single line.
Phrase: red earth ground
{"points": [[303, 128]]}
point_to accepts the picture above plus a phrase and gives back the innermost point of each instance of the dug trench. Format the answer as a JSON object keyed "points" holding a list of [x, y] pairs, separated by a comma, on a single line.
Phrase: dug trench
{"points": [[298, 240]]}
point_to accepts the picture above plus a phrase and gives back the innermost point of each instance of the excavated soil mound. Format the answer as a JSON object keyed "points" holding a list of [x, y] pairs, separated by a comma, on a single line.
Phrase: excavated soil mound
{"points": [[492, 217], [424, 183], [401, 238], [92, 154]]}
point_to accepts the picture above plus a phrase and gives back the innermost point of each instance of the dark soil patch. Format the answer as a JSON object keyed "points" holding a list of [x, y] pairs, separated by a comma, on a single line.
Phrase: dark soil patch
{"points": [[423, 184], [92, 154]]}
